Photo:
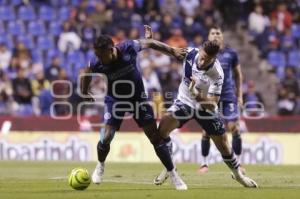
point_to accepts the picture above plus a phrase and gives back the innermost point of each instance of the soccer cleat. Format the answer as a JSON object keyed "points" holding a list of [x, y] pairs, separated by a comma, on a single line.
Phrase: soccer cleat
{"points": [[177, 181], [98, 173], [203, 169], [243, 180], [161, 178]]}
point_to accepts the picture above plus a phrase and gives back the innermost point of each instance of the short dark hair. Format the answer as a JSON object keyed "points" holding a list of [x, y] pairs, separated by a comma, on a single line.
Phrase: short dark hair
{"points": [[103, 42], [211, 47], [215, 26]]}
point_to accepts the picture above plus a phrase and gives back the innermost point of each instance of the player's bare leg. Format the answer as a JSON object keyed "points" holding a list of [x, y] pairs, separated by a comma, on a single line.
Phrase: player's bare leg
{"points": [[230, 160], [166, 126], [106, 135]]}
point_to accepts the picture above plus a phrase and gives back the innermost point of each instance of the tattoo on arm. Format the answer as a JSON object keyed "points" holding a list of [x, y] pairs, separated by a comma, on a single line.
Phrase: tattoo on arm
{"points": [[157, 45]]}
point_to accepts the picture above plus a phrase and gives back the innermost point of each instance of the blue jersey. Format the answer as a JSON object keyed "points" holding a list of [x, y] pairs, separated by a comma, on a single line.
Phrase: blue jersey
{"points": [[123, 76], [228, 59]]}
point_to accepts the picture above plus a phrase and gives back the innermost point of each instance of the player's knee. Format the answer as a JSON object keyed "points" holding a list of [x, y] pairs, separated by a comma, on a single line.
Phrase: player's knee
{"points": [[155, 138], [233, 128], [167, 124]]}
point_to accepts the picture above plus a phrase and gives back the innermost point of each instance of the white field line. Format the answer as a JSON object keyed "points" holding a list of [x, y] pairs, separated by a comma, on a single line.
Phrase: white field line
{"points": [[189, 184]]}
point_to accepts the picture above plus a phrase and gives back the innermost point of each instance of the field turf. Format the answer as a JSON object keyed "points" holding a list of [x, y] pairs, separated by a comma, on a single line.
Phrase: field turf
{"points": [[45, 180]]}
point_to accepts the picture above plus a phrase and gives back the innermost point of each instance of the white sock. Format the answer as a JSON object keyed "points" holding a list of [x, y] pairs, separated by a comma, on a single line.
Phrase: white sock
{"points": [[238, 158], [204, 160]]}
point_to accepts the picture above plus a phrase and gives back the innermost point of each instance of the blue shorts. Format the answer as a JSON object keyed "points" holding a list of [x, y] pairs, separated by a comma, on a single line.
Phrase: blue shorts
{"points": [[114, 112], [229, 111], [212, 123]]}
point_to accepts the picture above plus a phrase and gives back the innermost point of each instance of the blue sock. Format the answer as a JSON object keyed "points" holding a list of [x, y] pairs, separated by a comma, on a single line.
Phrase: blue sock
{"points": [[237, 144], [205, 146], [102, 151], [162, 151], [169, 144]]}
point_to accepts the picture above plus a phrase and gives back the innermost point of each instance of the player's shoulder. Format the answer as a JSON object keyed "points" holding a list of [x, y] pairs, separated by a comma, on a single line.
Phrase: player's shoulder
{"points": [[128, 45], [191, 53], [192, 49], [230, 50], [218, 68]]}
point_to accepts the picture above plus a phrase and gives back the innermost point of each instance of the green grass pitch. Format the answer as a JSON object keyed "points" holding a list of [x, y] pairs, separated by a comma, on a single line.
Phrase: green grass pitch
{"points": [[44, 180]]}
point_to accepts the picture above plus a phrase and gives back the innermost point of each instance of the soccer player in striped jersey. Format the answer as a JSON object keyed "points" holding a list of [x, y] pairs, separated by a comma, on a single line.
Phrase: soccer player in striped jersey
{"points": [[198, 96]]}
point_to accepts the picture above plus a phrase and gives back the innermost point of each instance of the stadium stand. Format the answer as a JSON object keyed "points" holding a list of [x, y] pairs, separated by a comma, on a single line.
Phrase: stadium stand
{"points": [[52, 36]]}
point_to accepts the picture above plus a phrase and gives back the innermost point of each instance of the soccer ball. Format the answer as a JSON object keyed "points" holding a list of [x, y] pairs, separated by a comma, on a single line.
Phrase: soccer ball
{"points": [[79, 179]]}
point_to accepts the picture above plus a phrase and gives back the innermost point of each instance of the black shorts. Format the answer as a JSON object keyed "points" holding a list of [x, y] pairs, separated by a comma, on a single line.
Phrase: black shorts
{"points": [[114, 112], [212, 123]]}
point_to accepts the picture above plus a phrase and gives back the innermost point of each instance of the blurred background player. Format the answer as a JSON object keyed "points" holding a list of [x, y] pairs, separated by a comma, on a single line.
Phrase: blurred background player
{"points": [[198, 95], [118, 64], [231, 97]]}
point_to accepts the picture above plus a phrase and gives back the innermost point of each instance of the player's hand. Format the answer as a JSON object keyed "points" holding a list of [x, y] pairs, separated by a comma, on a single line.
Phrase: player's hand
{"points": [[192, 87], [148, 32], [89, 98], [240, 101], [180, 53]]}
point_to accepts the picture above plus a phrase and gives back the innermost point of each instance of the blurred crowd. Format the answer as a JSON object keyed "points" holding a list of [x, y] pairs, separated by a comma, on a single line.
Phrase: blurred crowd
{"points": [[275, 28], [49, 40]]}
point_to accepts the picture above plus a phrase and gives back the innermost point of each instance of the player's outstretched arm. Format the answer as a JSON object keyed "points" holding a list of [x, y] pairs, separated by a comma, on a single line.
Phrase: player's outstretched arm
{"points": [[178, 53], [238, 78], [149, 42]]}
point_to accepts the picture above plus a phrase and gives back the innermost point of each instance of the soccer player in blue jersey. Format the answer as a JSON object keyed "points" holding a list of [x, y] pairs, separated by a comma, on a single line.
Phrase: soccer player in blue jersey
{"points": [[126, 93], [231, 97]]}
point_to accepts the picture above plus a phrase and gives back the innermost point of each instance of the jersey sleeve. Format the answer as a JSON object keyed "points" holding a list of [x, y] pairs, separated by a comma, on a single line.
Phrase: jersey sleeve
{"points": [[215, 87], [130, 46], [136, 46]]}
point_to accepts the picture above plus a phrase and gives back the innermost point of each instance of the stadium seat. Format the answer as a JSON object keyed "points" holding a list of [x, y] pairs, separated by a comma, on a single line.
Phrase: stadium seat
{"points": [[89, 55], [59, 3], [64, 13], [45, 43], [55, 28], [54, 53], [46, 13], [277, 60], [296, 31], [72, 70], [15, 2], [36, 28], [75, 2], [75, 57], [26, 13], [7, 13], [15, 28], [294, 58], [26, 40], [3, 2], [37, 56], [7, 40], [2, 28]]}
